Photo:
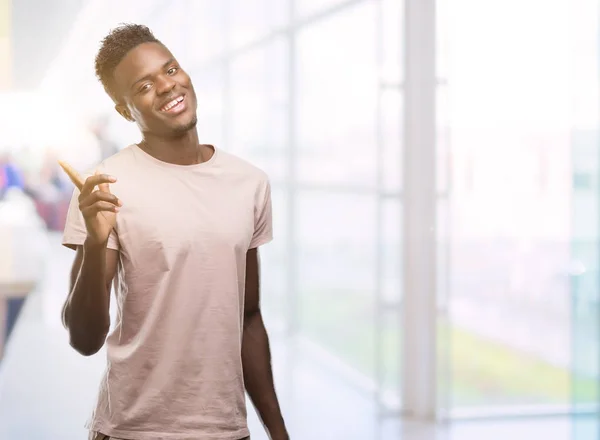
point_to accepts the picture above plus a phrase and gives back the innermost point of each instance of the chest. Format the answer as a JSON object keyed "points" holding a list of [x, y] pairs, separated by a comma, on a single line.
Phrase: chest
{"points": [[161, 223]]}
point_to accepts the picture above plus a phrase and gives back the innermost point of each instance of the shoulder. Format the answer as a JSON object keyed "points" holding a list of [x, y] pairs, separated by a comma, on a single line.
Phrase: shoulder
{"points": [[117, 164], [242, 167], [120, 160]]}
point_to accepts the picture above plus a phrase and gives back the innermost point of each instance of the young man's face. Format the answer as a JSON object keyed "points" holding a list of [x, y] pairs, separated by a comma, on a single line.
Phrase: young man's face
{"points": [[155, 92]]}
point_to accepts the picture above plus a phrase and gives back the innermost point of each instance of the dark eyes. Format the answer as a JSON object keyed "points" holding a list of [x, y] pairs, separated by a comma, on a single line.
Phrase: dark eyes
{"points": [[172, 71]]}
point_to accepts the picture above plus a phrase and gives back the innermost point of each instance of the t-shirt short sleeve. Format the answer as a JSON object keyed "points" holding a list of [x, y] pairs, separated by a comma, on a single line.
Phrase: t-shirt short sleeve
{"points": [[75, 233], [263, 216]]}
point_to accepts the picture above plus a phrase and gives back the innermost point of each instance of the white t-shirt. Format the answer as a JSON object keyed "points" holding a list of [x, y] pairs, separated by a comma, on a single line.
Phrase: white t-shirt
{"points": [[174, 356]]}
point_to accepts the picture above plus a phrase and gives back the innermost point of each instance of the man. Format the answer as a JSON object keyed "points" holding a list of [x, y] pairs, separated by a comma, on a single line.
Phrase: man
{"points": [[177, 231]]}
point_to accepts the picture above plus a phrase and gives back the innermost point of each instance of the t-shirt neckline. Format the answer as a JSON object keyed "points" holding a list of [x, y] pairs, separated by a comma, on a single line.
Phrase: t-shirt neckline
{"points": [[159, 162]]}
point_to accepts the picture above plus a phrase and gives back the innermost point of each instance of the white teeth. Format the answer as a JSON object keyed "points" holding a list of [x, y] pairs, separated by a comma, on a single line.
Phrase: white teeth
{"points": [[172, 104]]}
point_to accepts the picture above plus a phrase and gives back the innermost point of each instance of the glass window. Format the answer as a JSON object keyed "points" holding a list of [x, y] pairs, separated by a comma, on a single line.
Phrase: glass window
{"points": [[336, 274], [166, 23], [443, 146], [208, 84], [444, 11], [392, 34], [259, 121], [392, 121], [304, 8], [205, 31], [510, 213], [585, 210], [252, 19], [391, 248], [390, 336], [337, 99]]}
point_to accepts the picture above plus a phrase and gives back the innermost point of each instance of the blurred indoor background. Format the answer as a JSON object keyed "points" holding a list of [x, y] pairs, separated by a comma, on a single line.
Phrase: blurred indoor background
{"points": [[435, 176]]}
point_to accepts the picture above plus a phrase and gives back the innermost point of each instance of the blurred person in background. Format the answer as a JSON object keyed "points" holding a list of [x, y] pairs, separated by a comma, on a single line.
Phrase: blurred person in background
{"points": [[3, 179], [52, 193], [179, 238], [11, 175]]}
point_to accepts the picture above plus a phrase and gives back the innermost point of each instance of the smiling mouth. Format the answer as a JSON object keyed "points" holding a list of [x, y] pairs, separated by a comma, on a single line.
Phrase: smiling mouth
{"points": [[173, 105]]}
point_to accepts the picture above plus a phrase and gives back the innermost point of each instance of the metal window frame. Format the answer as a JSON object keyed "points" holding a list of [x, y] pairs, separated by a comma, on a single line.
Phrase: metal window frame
{"points": [[419, 375]]}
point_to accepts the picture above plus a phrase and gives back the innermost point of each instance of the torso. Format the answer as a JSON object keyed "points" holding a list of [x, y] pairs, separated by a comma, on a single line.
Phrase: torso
{"points": [[174, 353]]}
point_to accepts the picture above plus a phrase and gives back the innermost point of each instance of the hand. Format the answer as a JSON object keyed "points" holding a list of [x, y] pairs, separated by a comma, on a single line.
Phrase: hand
{"points": [[99, 208]]}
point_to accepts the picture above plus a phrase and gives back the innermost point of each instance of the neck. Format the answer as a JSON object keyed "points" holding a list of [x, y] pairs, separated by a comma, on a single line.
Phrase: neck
{"points": [[180, 150]]}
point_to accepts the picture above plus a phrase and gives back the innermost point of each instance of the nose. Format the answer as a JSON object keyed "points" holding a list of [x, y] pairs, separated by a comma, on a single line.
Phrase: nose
{"points": [[165, 84]]}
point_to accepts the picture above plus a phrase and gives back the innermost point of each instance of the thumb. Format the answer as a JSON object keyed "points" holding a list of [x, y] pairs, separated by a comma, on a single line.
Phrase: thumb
{"points": [[104, 187]]}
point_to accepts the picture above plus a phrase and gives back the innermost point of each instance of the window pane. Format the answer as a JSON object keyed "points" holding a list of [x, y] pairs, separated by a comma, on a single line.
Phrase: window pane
{"points": [[336, 90], [390, 358], [443, 146], [303, 8], [510, 206], [391, 248], [252, 19], [336, 267], [208, 84], [392, 114], [444, 9], [392, 30], [205, 31], [166, 26], [259, 125], [585, 208], [390, 338]]}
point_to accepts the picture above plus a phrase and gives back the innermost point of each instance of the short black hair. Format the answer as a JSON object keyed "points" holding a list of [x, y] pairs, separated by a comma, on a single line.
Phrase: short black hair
{"points": [[115, 46]]}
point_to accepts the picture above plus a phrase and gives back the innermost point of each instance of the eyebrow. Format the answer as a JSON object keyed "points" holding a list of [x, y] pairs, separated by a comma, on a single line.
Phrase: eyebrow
{"points": [[170, 61]]}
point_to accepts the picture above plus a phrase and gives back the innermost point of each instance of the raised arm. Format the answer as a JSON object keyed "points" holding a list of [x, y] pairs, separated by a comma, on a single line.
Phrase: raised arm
{"points": [[86, 310]]}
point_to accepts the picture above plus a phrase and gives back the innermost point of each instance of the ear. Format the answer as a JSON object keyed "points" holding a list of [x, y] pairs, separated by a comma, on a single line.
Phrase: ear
{"points": [[124, 111]]}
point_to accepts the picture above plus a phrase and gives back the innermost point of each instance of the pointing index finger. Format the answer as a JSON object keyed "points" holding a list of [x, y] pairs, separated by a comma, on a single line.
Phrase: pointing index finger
{"points": [[98, 179], [103, 185]]}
